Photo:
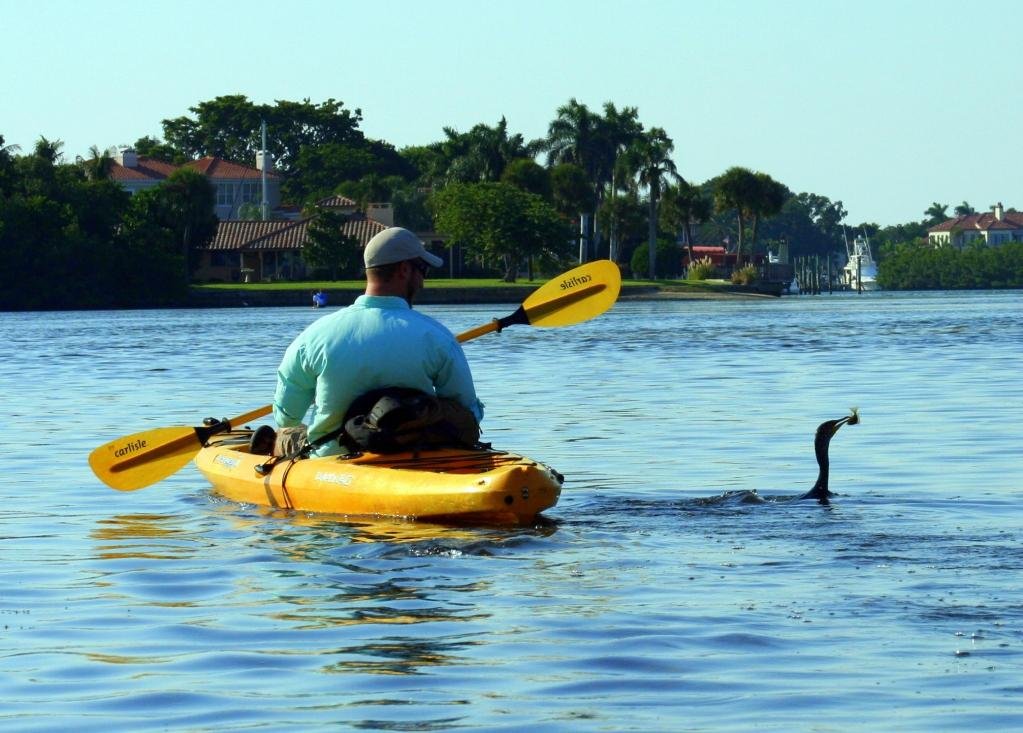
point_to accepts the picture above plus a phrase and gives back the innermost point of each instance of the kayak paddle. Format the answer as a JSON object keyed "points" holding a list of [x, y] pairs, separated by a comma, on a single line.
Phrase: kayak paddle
{"points": [[573, 297], [140, 459]]}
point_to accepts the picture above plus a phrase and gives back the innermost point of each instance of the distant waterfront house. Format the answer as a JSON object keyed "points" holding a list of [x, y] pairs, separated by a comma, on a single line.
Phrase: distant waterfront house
{"points": [[993, 228], [339, 203], [720, 257], [250, 250], [258, 251], [236, 184]]}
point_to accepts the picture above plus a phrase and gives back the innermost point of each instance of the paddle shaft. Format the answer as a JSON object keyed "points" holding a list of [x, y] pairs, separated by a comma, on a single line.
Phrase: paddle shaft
{"points": [[138, 460], [137, 451], [200, 435]]}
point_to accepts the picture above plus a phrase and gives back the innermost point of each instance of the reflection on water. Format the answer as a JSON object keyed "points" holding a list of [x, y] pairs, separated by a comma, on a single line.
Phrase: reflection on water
{"points": [[659, 595], [399, 655], [147, 536], [383, 602], [392, 531]]}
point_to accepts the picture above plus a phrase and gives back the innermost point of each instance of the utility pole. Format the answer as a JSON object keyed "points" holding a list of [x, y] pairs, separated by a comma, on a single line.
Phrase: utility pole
{"points": [[264, 208]]}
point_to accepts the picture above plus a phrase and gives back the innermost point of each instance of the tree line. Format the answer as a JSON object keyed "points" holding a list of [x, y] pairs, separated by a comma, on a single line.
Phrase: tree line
{"points": [[72, 238], [600, 180], [912, 267]]}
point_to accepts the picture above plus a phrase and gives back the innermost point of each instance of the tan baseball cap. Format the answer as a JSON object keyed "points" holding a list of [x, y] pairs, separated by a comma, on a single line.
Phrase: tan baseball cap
{"points": [[396, 245]]}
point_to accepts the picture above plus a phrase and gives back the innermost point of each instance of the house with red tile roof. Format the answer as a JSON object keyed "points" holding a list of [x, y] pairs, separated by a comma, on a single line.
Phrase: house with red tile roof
{"points": [[338, 203], [246, 250], [257, 251], [995, 227], [236, 185]]}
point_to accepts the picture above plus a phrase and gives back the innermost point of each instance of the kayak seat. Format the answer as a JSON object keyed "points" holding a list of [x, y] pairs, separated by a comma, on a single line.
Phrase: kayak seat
{"points": [[262, 441]]}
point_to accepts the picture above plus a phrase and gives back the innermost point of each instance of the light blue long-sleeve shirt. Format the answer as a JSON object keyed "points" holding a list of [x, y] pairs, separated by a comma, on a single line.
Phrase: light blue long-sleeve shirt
{"points": [[378, 341]]}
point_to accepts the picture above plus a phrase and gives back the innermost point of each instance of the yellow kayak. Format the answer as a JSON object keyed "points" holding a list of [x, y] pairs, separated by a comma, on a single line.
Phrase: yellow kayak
{"points": [[452, 485]]}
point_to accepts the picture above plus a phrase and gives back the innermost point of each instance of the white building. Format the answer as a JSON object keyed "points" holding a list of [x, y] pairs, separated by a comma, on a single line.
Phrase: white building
{"points": [[993, 228], [236, 185]]}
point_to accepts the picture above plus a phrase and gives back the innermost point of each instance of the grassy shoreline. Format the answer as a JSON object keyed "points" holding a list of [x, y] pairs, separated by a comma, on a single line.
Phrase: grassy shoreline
{"points": [[443, 290]]}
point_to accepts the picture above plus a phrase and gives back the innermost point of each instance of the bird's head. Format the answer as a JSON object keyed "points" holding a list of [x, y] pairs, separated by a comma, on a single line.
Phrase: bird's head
{"points": [[826, 430]]}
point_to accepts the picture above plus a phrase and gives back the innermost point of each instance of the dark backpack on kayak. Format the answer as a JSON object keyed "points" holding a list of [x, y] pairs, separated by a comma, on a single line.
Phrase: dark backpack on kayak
{"points": [[401, 419]]}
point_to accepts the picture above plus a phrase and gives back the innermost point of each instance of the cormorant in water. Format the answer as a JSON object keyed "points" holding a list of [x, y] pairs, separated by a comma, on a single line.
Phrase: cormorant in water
{"points": [[822, 439], [825, 431]]}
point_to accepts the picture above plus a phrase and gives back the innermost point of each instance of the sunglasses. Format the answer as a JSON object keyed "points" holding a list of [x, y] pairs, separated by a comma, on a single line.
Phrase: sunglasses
{"points": [[421, 266]]}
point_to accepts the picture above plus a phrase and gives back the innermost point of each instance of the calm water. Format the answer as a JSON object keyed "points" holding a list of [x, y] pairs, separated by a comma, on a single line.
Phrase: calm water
{"points": [[652, 601]]}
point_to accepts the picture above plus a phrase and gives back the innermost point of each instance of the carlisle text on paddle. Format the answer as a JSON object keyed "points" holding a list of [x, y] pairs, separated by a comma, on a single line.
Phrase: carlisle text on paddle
{"points": [[573, 281], [130, 448]]}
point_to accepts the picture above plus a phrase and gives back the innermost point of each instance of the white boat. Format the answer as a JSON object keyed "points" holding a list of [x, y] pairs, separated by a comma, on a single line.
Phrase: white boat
{"points": [[779, 270], [860, 272]]}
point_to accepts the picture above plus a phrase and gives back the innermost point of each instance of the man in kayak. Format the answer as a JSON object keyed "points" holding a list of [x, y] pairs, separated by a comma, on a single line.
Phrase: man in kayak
{"points": [[377, 342]]}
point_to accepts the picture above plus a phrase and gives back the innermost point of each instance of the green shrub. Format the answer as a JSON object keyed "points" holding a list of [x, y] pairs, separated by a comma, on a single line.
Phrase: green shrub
{"points": [[669, 260]]}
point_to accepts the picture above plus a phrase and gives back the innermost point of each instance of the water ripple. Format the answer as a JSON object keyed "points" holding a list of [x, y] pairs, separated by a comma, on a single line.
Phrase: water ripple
{"points": [[678, 585]]}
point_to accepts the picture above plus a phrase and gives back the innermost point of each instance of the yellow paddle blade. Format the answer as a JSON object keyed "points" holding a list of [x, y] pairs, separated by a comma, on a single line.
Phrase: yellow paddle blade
{"points": [[137, 460], [575, 296]]}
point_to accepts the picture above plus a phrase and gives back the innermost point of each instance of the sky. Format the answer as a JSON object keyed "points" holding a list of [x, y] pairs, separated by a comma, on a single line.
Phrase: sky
{"points": [[884, 105]]}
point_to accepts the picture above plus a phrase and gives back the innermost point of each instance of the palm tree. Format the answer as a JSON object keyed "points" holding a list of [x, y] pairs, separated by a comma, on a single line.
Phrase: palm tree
{"points": [[43, 164], [99, 165], [481, 155], [7, 150], [49, 150], [650, 156], [618, 130], [595, 143], [964, 209], [936, 213], [574, 137], [6, 166], [682, 206]]}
